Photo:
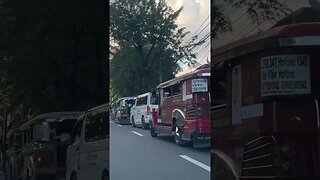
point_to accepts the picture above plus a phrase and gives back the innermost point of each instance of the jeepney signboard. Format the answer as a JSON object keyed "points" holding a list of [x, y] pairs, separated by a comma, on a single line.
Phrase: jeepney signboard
{"points": [[285, 75], [199, 85]]}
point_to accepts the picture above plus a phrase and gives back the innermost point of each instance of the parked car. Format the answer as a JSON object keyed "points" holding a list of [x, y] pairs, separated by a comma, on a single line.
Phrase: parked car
{"points": [[123, 106], [88, 154], [142, 108]]}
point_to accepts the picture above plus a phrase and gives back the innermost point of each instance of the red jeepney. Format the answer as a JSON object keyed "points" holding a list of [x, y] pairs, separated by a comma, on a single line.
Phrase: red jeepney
{"points": [[265, 105], [184, 109]]}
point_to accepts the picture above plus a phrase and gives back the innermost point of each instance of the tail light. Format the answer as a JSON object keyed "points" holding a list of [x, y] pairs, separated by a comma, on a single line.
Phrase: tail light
{"points": [[148, 109], [39, 159], [288, 150], [289, 153]]}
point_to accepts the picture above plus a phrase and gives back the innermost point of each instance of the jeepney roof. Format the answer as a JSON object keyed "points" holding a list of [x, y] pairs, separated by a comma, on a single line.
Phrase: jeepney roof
{"points": [[287, 35], [196, 73], [52, 117]]}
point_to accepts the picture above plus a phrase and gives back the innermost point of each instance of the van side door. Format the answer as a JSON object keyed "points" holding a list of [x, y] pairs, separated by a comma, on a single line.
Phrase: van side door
{"points": [[73, 150], [88, 148]]}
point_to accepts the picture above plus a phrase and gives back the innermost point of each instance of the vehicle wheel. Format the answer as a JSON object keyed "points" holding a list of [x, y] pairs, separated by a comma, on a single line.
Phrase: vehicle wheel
{"points": [[74, 176], [178, 136], [105, 176], [116, 120], [143, 123], [152, 131], [132, 122]]}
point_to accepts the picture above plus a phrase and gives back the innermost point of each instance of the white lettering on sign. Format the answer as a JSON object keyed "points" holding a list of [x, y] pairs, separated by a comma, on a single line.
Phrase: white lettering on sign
{"points": [[199, 85], [285, 75]]}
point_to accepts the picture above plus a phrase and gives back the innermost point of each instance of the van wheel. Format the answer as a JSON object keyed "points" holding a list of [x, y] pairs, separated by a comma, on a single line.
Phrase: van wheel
{"points": [[132, 122], [143, 123], [74, 176], [105, 175], [178, 136], [152, 131]]}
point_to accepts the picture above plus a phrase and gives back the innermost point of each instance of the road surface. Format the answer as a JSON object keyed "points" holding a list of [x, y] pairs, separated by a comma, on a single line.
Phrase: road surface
{"points": [[135, 155]]}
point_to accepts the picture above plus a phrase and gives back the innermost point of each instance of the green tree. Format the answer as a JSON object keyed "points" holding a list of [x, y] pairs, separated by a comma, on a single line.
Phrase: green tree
{"points": [[150, 45], [257, 10], [55, 53]]}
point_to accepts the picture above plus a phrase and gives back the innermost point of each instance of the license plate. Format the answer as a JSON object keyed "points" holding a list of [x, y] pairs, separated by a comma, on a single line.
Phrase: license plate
{"points": [[204, 137]]}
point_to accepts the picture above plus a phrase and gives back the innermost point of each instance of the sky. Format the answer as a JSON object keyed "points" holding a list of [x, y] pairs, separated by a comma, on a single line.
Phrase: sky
{"points": [[242, 26], [194, 13]]}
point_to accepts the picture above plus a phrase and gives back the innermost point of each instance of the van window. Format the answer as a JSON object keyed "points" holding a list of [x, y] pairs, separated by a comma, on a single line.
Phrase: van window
{"points": [[142, 101], [77, 130], [97, 127], [92, 129], [153, 99], [104, 128]]}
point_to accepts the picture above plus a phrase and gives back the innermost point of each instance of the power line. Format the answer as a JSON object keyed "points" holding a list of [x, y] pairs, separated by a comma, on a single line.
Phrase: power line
{"points": [[201, 25], [199, 28], [202, 49], [203, 57], [204, 39]]}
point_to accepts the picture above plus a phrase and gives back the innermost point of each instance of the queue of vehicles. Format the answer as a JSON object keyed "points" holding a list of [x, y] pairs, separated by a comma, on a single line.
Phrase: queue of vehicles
{"points": [[61, 145], [179, 107], [74, 145]]}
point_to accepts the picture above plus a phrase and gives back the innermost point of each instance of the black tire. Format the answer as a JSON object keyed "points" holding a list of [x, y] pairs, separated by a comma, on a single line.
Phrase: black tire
{"points": [[143, 123], [152, 131], [178, 135], [117, 120], [74, 176], [105, 175], [132, 122]]}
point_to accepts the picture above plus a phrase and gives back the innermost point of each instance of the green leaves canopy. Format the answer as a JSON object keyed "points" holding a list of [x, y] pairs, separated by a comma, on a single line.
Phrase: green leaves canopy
{"points": [[150, 45]]}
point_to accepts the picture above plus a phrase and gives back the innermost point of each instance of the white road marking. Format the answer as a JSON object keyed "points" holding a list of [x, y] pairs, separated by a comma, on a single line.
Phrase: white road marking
{"points": [[200, 164], [119, 125], [137, 133]]}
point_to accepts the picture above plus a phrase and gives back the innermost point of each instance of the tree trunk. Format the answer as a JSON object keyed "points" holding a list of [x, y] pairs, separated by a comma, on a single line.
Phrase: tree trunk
{"points": [[4, 147]]}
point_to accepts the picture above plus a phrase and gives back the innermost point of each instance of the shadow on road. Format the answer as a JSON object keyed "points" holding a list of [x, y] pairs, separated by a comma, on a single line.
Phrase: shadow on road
{"points": [[170, 139]]}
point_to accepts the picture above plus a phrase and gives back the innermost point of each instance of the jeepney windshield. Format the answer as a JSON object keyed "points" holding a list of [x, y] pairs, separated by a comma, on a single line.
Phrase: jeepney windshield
{"points": [[63, 130], [58, 131], [129, 102], [41, 132]]}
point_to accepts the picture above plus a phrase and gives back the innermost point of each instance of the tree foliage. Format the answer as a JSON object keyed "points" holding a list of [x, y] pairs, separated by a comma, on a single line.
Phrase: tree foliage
{"points": [[257, 10], [54, 54], [150, 45]]}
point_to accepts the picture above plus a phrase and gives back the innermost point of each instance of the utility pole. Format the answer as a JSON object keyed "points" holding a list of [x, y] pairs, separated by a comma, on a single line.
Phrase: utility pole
{"points": [[160, 74]]}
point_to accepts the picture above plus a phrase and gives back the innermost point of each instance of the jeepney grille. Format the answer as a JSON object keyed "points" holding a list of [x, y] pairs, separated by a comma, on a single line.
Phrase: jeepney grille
{"points": [[198, 111], [260, 157], [191, 112]]}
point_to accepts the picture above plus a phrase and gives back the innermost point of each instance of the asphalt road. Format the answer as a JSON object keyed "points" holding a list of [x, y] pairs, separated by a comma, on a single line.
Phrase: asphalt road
{"points": [[135, 155]]}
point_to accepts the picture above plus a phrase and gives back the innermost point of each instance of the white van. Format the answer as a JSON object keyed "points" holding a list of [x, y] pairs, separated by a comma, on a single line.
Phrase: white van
{"points": [[140, 114], [88, 154]]}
